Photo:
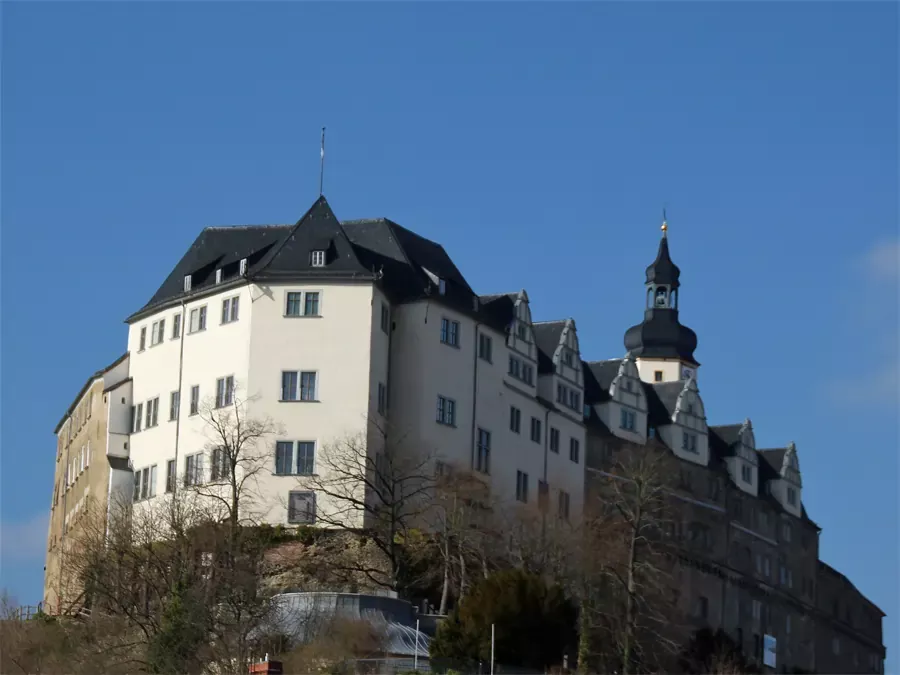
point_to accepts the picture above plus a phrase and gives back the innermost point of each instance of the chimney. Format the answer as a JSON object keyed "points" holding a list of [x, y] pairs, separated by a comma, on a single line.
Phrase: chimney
{"points": [[266, 667]]}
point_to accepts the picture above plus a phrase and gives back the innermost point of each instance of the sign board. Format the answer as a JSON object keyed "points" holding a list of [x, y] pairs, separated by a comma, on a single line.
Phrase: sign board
{"points": [[769, 645]]}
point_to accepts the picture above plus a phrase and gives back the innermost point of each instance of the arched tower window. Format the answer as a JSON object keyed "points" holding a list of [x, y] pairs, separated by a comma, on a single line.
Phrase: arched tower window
{"points": [[661, 295]]}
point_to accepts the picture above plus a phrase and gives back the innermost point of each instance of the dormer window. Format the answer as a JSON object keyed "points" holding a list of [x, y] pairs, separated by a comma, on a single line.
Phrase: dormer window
{"points": [[442, 287], [567, 357], [792, 496], [242, 269], [689, 442], [627, 420], [521, 331], [747, 474], [317, 259], [187, 283], [219, 276], [657, 376]]}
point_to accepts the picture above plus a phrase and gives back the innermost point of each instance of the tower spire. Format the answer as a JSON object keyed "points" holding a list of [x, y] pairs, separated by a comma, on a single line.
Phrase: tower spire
{"points": [[665, 225]]}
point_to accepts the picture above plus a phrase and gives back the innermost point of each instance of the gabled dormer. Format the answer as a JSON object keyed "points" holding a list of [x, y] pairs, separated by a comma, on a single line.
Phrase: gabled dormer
{"points": [[561, 378], [627, 410], [784, 481], [523, 354], [680, 419], [738, 450]]}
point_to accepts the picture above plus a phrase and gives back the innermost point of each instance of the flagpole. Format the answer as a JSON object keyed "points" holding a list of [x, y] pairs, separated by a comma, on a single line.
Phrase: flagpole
{"points": [[492, 649], [416, 657], [322, 165]]}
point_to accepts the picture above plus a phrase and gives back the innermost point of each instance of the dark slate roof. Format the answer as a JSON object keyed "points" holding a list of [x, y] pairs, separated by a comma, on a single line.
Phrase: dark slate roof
{"points": [[663, 270], [661, 400], [546, 336], [605, 371], [772, 460], [723, 438], [824, 567], [118, 463], [660, 335], [498, 310], [84, 388], [272, 251]]}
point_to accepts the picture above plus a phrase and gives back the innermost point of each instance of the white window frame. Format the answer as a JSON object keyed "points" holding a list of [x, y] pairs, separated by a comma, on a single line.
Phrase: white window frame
{"points": [[318, 295], [176, 325], [449, 332], [224, 391], [231, 309], [485, 347], [297, 393], [446, 411], [747, 474], [195, 400], [317, 258], [310, 518], [142, 344], [193, 469], [200, 325], [174, 405], [157, 332]]}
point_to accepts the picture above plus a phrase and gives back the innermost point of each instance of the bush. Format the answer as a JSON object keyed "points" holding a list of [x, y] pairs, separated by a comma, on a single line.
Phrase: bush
{"points": [[534, 624]]}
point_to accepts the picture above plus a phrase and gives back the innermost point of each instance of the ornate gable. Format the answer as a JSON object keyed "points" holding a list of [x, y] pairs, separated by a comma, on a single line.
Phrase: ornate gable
{"points": [[746, 445], [790, 466], [521, 334]]}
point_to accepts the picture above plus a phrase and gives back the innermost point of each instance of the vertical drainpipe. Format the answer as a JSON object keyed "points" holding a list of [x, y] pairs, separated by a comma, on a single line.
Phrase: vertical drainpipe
{"points": [[474, 393], [178, 412]]}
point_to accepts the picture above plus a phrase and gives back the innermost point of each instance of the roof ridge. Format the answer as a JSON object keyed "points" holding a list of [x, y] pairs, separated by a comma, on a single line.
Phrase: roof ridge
{"points": [[604, 360], [245, 227], [536, 323], [356, 221]]}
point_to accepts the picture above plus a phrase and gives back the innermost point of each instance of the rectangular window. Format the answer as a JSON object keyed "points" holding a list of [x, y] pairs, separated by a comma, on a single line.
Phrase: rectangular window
{"points": [[746, 474], [567, 357], [145, 483], [284, 455], [515, 419], [535, 430], [174, 403], [306, 458], [193, 469], [195, 399], [294, 308], [382, 398], [786, 531], [143, 343], [308, 391], [157, 332], [220, 469], [483, 454], [574, 449], [450, 332], [302, 508], [230, 310], [626, 419], [767, 566], [224, 391], [522, 486], [176, 326], [689, 442], [485, 347], [170, 476], [311, 304], [574, 400], [563, 505], [554, 440], [561, 393], [658, 376], [289, 381], [446, 411], [385, 318], [515, 367], [317, 258], [792, 496], [137, 413], [527, 374], [153, 412], [197, 320]]}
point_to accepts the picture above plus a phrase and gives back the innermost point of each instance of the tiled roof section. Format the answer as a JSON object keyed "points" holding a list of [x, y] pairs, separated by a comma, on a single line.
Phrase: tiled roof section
{"points": [[772, 461], [217, 247], [498, 310], [594, 392], [661, 401], [317, 230], [272, 252], [828, 569], [118, 463], [606, 371], [723, 438], [546, 336], [378, 247]]}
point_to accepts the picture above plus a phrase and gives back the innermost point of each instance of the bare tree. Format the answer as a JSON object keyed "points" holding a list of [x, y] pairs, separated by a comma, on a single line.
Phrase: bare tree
{"points": [[626, 563], [237, 448], [378, 485]]}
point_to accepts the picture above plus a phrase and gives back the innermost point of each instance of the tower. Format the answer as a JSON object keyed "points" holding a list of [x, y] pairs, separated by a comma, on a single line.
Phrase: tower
{"points": [[663, 349]]}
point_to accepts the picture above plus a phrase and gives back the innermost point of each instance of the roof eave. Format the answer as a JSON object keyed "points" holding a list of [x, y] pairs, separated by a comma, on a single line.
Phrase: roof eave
{"points": [[83, 391]]}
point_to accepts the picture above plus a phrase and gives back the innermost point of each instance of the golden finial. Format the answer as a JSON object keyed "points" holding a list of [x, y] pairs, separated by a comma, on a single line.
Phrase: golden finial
{"points": [[665, 225]]}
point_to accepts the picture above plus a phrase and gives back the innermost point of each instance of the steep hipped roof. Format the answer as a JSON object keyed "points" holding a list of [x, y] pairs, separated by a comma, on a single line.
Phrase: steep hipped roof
{"points": [[272, 252]]}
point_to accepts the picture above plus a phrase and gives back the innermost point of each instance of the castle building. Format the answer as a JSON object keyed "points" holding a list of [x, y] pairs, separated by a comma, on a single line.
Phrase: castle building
{"points": [[330, 327]]}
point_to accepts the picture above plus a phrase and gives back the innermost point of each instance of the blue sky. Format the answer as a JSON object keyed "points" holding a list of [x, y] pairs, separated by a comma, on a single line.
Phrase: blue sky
{"points": [[537, 142]]}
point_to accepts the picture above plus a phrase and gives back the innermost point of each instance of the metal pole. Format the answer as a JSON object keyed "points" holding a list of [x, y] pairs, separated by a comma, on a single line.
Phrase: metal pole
{"points": [[416, 657], [492, 649]]}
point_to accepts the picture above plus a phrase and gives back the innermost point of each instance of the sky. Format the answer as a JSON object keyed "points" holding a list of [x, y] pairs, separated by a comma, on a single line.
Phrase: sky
{"points": [[538, 142]]}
